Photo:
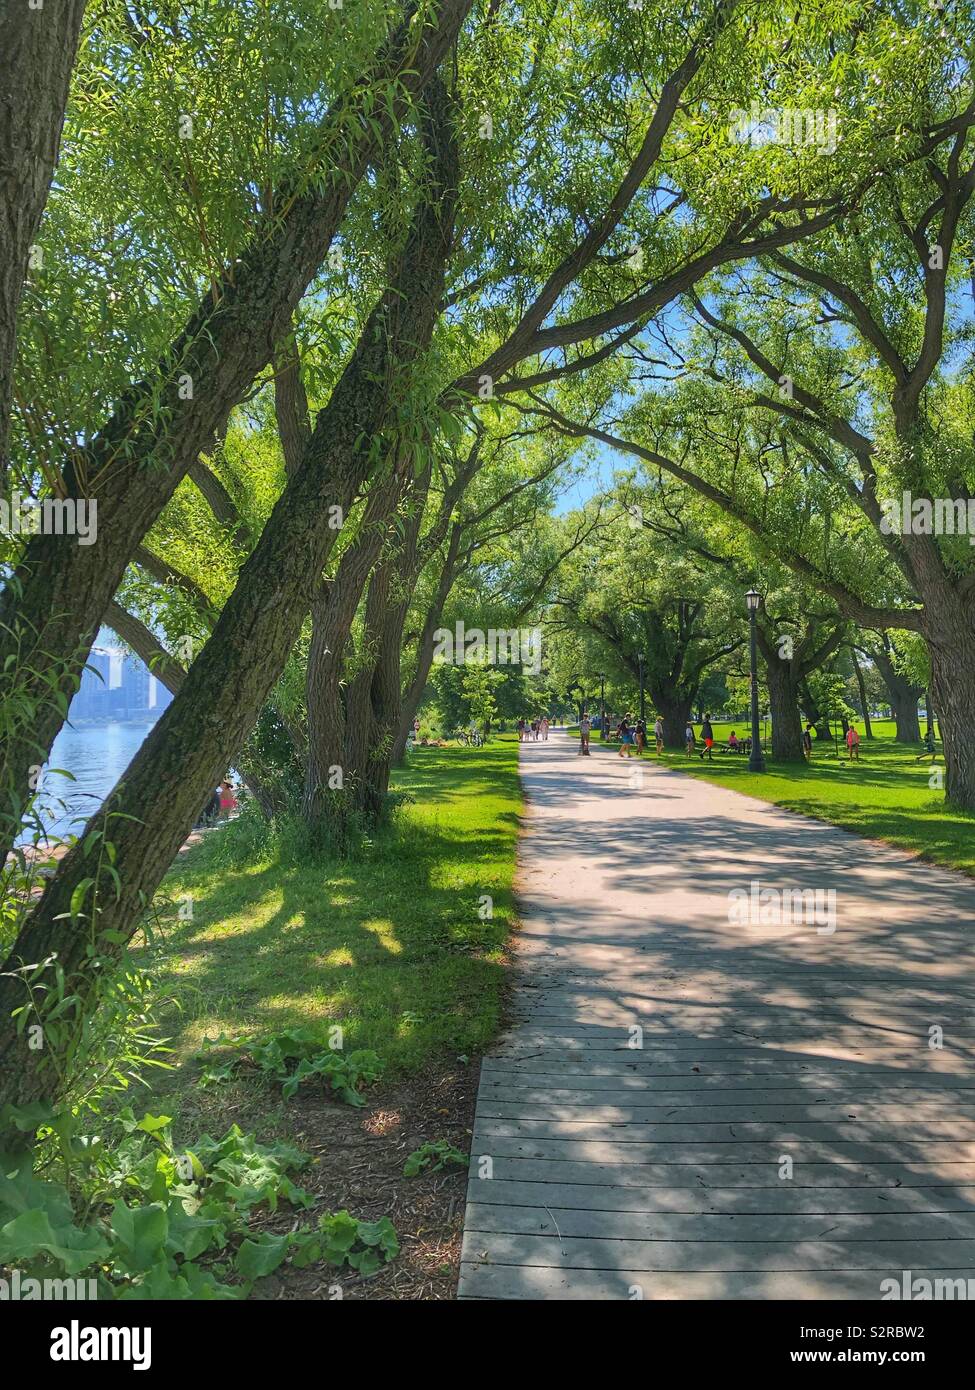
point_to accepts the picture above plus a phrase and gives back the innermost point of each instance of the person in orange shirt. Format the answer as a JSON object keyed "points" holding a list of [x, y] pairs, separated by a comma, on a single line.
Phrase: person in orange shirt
{"points": [[853, 743]]}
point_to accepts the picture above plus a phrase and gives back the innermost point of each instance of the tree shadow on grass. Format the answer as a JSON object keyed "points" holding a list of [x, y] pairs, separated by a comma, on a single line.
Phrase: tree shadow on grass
{"points": [[400, 946]]}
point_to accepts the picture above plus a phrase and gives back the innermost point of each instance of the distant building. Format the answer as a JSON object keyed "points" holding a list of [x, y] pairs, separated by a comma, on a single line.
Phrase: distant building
{"points": [[116, 685]]}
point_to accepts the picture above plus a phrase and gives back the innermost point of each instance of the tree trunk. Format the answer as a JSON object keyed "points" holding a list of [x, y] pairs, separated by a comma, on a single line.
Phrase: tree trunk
{"points": [[862, 687], [333, 614], [173, 676], [783, 695], [413, 693], [903, 699], [49, 611], [675, 710], [952, 648], [814, 715], [163, 788], [37, 53]]}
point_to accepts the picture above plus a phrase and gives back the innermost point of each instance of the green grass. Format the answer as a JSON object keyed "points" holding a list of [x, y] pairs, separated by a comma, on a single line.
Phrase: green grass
{"points": [[886, 796], [390, 945]]}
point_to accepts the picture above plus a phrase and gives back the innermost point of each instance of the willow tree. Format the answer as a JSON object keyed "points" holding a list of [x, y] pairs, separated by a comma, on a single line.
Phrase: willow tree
{"points": [[230, 679], [150, 321]]}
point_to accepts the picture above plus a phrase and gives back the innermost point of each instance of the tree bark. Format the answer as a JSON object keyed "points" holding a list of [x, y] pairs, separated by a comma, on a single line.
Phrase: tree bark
{"points": [[952, 649], [862, 688], [37, 54], [332, 616], [164, 785], [675, 710], [904, 696], [783, 695]]}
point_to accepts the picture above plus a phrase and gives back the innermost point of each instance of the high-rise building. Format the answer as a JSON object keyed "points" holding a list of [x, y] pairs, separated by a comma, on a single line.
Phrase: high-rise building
{"points": [[117, 685]]}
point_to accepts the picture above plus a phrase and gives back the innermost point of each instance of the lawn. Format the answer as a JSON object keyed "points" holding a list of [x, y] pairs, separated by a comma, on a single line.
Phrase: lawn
{"points": [[886, 796], [395, 946]]}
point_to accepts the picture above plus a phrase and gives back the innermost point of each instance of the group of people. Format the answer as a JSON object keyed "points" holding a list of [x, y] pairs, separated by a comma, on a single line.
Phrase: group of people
{"points": [[734, 744], [531, 730], [852, 740], [632, 735]]}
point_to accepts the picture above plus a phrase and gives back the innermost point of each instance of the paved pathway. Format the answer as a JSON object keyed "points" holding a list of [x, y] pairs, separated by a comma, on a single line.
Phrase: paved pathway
{"points": [[767, 1049]]}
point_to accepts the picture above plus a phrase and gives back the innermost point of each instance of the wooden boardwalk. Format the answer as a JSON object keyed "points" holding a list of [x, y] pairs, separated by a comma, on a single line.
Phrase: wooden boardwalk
{"points": [[692, 1107]]}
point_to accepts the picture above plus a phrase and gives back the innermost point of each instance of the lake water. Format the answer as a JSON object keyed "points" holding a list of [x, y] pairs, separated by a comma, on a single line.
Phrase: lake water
{"points": [[97, 755]]}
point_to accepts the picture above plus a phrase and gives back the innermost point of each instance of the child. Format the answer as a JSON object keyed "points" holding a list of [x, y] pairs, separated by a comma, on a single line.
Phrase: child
{"points": [[733, 741]]}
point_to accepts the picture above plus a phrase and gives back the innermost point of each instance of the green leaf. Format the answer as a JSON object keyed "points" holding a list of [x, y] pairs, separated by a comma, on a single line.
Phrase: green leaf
{"points": [[31, 1234], [142, 1233], [260, 1256]]}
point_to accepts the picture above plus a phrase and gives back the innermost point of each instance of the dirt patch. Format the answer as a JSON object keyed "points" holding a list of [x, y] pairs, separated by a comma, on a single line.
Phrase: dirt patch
{"points": [[360, 1157]]}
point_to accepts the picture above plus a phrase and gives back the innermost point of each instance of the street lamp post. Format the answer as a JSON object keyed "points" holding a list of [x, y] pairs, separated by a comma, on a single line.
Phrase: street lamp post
{"points": [[643, 703], [602, 706], [756, 760]]}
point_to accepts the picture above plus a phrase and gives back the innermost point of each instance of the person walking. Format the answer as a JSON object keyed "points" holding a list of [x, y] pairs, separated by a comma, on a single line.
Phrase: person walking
{"points": [[853, 743], [707, 734], [689, 738], [626, 739], [807, 737], [544, 728], [641, 737], [658, 733], [585, 729]]}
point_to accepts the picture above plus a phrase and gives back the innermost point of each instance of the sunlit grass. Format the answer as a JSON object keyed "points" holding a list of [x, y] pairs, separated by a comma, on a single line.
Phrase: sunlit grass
{"points": [[391, 945]]}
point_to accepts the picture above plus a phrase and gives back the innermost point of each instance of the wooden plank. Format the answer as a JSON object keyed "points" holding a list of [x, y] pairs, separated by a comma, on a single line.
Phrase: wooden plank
{"points": [[886, 1257], [822, 1175], [895, 1104], [720, 1227], [504, 1282], [730, 1151], [869, 1085], [893, 1049], [794, 1116], [785, 1069], [784, 1198]]}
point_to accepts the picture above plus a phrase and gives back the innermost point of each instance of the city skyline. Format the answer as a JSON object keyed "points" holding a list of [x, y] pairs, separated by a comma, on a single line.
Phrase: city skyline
{"points": [[116, 685]]}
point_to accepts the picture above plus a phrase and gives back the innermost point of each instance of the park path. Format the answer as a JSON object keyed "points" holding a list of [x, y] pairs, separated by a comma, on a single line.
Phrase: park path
{"points": [[662, 1172]]}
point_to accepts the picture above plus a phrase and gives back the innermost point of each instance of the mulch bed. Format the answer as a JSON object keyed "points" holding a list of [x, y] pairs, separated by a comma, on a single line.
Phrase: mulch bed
{"points": [[361, 1155]]}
